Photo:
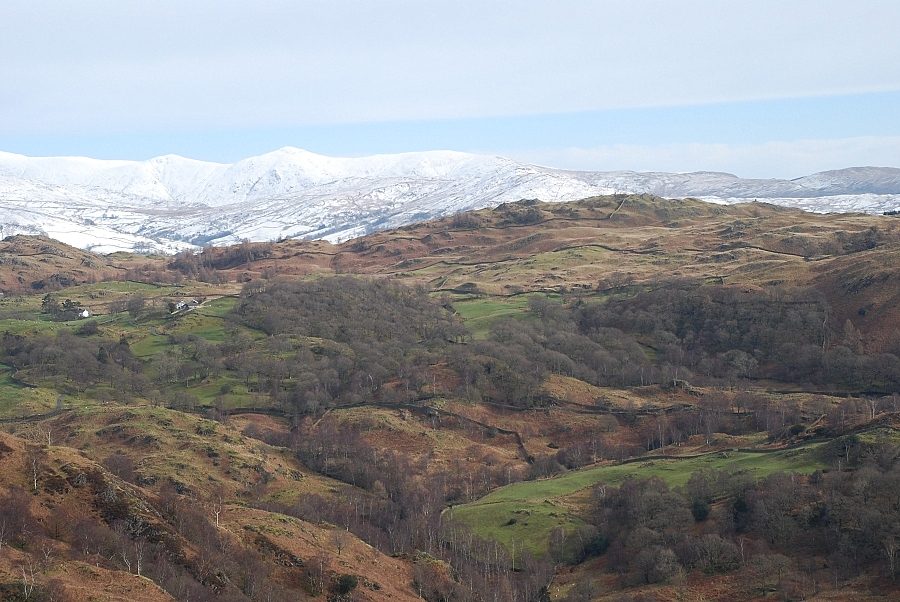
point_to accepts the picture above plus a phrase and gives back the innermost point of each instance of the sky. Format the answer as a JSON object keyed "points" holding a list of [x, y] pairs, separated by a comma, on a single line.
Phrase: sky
{"points": [[757, 88]]}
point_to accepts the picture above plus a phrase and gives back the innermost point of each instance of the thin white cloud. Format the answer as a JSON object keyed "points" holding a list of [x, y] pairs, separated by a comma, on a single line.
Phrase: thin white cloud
{"points": [[776, 159], [104, 66]]}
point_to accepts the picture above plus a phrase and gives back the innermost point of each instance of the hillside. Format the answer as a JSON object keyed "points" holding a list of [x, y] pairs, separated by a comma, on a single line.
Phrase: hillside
{"points": [[606, 245], [623, 397], [30, 263], [170, 203]]}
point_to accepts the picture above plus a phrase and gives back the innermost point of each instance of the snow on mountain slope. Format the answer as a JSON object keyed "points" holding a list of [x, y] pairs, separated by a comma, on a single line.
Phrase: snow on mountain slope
{"points": [[170, 202], [874, 180]]}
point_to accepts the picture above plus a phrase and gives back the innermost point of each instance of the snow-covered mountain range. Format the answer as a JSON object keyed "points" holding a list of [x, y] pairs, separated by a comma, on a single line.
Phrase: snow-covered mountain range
{"points": [[170, 202]]}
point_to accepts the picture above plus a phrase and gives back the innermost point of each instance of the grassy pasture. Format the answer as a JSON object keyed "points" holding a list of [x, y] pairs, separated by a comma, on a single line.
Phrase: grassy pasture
{"points": [[16, 400], [480, 313], [522, 515]]}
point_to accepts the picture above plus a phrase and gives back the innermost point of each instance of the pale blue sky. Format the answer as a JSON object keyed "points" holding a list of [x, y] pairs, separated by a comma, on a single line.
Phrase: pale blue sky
{"points": [[759, 88]]}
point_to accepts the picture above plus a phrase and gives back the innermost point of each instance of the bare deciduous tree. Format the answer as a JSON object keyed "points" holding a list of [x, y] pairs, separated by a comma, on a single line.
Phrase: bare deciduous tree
{"points": [[340, 539], [34, 461], [140, 550], [29, 580], [4, 530], [891, 546]]}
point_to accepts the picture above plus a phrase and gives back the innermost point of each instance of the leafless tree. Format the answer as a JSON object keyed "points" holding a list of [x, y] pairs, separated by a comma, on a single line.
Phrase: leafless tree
{"points": [[33, 464], [140, 549], [316, 575], [216, 504], [29, 580], [46, 552], [891, 546], [340, 539], [5, 528], [872, 405]]}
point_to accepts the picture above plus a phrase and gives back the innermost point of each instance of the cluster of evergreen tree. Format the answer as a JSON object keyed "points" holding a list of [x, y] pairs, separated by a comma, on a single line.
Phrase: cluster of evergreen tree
{"points": [[67, 310]]}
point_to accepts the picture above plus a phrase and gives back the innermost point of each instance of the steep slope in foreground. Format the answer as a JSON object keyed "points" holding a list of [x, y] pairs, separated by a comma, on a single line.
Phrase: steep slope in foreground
{"points": [[75, 526], [171, 202]]}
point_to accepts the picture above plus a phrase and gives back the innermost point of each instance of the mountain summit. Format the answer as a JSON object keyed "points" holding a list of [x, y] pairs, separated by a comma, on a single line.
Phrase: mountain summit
{"points": [[171, 202]]}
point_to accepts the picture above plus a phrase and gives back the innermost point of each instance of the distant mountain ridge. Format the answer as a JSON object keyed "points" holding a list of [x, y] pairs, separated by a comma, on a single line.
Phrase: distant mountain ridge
{"points": [[171, 202]]}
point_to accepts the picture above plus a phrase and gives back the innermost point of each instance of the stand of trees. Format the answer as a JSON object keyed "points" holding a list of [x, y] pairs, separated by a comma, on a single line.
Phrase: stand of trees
{"points": [[79, 361], [344, 339], [203, 266], [67, 310], [710, 334], [721, 523]]}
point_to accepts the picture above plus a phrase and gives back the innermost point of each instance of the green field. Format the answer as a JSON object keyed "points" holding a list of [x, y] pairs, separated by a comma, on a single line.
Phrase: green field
{"points": [[34, 326], [209, 327], [10, 392], [479, 314], [218, 307], [210, 392], [152, 335], [114, 286], [522, 515], [16, 400]]}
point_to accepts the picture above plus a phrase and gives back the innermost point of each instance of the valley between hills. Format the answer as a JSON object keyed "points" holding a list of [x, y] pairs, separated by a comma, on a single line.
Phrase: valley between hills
{"points": [[619, 398]]}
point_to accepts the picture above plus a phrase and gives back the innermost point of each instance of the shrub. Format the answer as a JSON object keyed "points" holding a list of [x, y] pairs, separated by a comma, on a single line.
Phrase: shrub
{"points": [[345, 584], [700, 510]]}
